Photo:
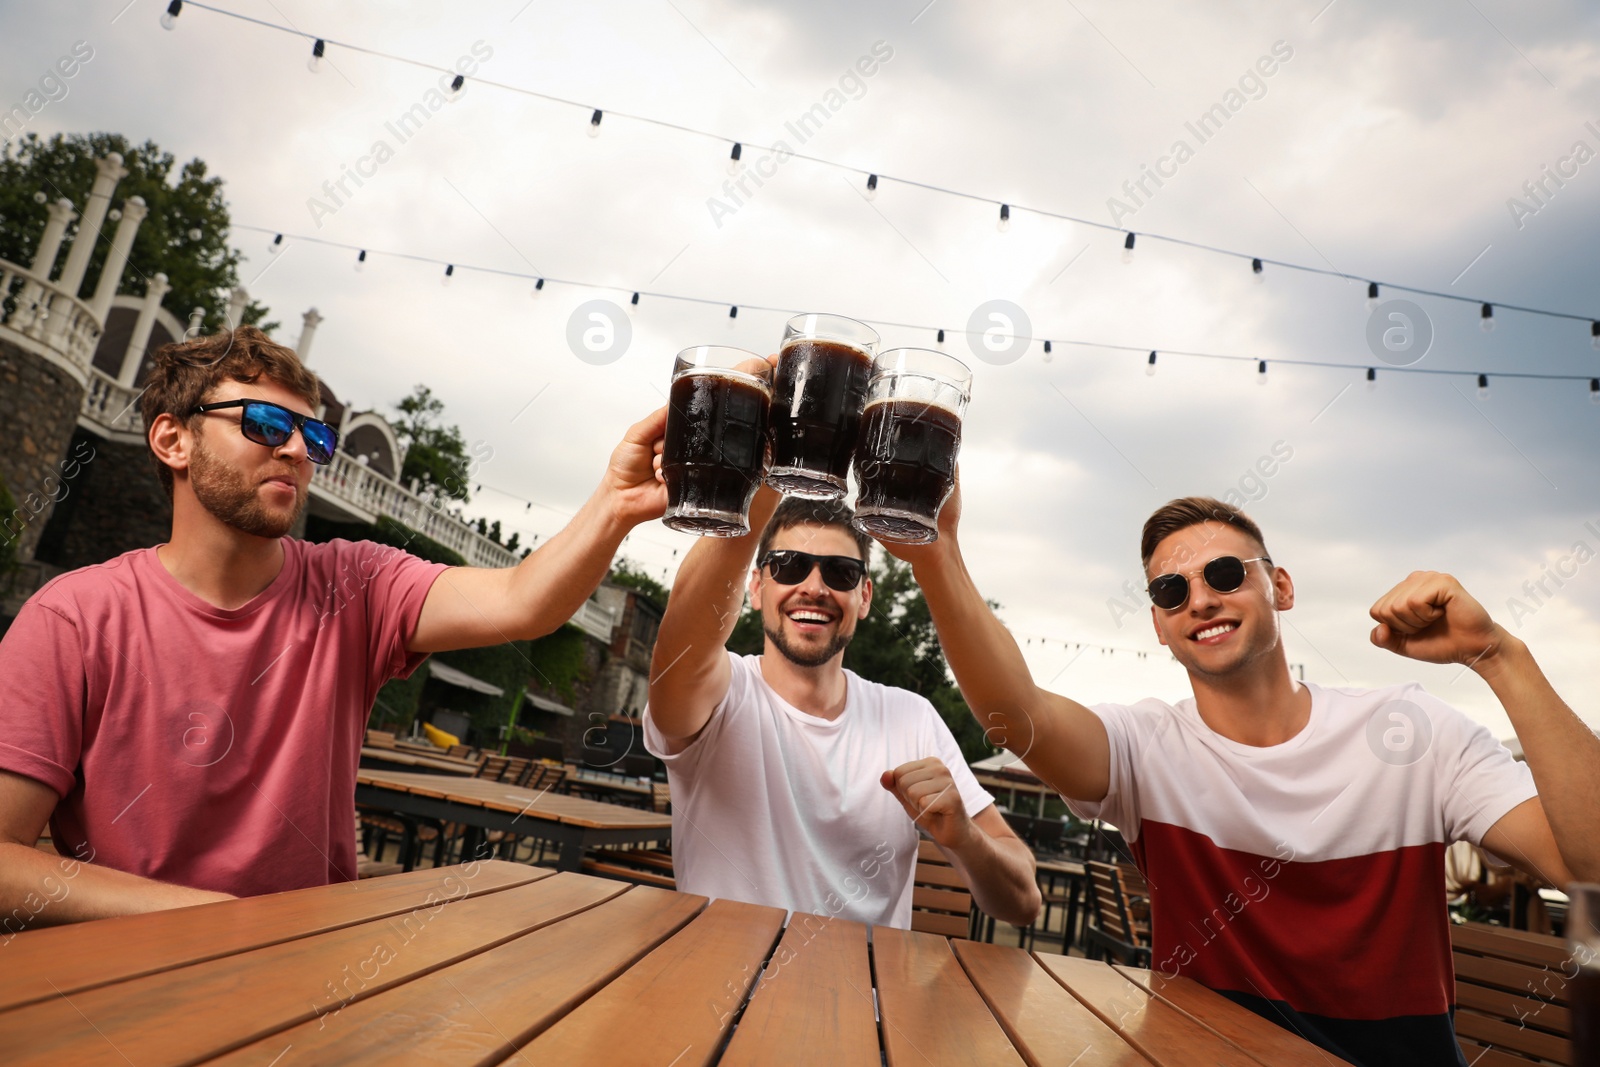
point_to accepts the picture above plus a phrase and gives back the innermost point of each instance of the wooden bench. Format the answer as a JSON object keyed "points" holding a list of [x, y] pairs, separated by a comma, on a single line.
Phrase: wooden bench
{"points": [[1511, 996], [941, 903], [636, 865]]}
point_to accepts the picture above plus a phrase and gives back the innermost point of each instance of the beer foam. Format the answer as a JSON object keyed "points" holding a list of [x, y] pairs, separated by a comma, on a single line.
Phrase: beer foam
{"points": [[919, 389], [731, 375]]}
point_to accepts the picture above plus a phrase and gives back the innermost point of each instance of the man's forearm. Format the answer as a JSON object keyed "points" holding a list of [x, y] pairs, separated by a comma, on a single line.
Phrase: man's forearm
{"points": [[1562, 752], [40, 889], [1000, 874], [709, 589]]}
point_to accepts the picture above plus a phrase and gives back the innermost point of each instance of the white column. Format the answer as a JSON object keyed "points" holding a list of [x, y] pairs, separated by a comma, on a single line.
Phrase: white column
{"points": [[108, 172], [238, 300], [55, 227], [308, 330], [105, 290], [154, 290], [197, 319]]}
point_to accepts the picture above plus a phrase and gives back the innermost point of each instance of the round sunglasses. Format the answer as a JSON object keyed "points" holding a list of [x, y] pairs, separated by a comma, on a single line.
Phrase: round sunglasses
{"points": [[1225, 574], [271, 424], [788, 567]]}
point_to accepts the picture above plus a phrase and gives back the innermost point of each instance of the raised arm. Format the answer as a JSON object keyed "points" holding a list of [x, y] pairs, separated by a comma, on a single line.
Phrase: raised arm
{"points": [[40, 889], [1060, 740], [1430, 617], [689, 671], [469, 607]]}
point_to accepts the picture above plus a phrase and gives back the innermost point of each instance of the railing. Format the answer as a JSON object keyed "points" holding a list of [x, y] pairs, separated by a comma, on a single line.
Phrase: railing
{"points": [[48, 314], [111, 405], [594, 620], [365, 490]]}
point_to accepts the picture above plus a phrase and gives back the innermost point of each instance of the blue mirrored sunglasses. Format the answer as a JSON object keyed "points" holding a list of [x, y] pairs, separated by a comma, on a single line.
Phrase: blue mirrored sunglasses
{"points": [[271, 424]]}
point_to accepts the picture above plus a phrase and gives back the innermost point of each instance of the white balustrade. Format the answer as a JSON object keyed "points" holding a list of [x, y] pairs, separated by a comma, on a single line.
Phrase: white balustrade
{"points": [[46, 313], [111, 405]]}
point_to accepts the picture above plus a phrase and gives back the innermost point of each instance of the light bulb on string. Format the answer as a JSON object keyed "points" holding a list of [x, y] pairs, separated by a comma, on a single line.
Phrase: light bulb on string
{"points": [[1372, 295], [361, 261], [872, 187], [1594, 390], [1372, 379], [456, 84], [1594, 336], [1261, 372], [538, 287], [594, 122], [940, 338], [1005, 218], [733, 313], [1258, 270], [277, 245], [734, 166], [1127, 248], [1486, 318], [314, 64], [633, 302], [1150, 367], [1047, 356], [449, 272], [1483, 387], [169, 18]]}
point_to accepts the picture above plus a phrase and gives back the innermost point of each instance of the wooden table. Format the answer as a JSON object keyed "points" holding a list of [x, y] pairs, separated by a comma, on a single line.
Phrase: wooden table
{"points": [[498, 962], [573, 823], [627, 790], [380, 758]]}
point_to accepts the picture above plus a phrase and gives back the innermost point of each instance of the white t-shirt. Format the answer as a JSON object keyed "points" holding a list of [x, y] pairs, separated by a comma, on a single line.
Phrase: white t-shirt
{"points": [[773, 806], [1310, 874]]}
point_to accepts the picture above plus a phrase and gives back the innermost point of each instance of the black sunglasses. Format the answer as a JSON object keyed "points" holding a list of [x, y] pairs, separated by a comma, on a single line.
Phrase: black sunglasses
{"points": [[1224, 574], [272, 424], [788, 567]]}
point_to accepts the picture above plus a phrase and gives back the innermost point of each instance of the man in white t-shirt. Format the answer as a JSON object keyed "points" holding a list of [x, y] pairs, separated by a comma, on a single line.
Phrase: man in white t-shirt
{"points": [[1293, 836], [797, 783]]}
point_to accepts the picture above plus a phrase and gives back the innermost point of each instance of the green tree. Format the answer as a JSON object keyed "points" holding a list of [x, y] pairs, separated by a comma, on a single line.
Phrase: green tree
{"points": [[895, 645], [436, 454], [185, 236], [626, 572]]}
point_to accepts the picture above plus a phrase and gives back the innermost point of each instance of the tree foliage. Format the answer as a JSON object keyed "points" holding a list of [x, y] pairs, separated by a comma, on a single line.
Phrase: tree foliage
{"points": [[626, 572], [202, 269], [436, 453], [895, 645]]}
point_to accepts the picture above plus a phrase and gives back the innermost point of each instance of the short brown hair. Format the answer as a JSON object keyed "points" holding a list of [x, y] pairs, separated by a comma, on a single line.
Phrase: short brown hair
{"points": [[797, 511], [184, 372], [1189, 511]]}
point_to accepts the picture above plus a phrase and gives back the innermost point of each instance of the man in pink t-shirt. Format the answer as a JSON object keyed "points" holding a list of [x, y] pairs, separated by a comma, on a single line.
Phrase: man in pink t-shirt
{"points": [[188, 718]]}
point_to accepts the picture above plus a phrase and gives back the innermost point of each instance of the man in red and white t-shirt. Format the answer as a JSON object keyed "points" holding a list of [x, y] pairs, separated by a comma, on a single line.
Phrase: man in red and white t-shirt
{"points": [[1293, 835], [188, 718]]}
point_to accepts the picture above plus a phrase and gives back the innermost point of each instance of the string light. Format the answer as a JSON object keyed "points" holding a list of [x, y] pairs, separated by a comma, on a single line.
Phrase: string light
{"points": [[539, 284], [169, 19], [594, 129], [1261, 373], [1594, 390], [449, 272], [1005, 217], [277, 245], [1372, 295], [1483, 387], [314, 64], [872, 187], [361, 261], [1047, 356], [1372, 379], [733, 159], [633, 302], [1594, 336], [1486, 318], [1257, 269], [538, 287], [1127, 248], [1150, 367]]}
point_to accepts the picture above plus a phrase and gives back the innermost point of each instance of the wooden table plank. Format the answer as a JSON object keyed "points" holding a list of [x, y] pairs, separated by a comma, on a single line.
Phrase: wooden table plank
{"points": [[42, 964], [814, 1001], [675, 1005], [392, 759], [1046, 1023], [931, 1012], [500, 796], [1262, 1038], [477, 1010], [1161, 1032], [205, 1009]]}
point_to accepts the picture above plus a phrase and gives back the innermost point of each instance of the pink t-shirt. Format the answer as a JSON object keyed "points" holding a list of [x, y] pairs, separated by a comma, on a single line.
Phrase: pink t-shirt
{"points": [[209, 748]]}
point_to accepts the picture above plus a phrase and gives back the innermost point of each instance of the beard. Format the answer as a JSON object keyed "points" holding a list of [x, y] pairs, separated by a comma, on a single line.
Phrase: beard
{"points": [[225, 492], [802, 657]]}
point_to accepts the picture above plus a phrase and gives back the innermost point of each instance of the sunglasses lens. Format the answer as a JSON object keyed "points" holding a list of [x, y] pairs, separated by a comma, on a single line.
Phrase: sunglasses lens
{"points": [[1225, 573], [266, 424], [789, 568], [321, 440], [841, 575], [1169, 591]]}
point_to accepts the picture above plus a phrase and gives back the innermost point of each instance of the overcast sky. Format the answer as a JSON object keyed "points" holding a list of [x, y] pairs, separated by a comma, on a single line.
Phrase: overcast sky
{"points": [[1387, 142]]}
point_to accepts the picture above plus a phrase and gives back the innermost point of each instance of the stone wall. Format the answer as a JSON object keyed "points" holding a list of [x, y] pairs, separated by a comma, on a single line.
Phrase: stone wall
{"points": [[39, 405], [116, 504]]}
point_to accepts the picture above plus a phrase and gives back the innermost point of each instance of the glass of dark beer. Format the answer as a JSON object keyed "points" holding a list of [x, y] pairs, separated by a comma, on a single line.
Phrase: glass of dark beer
{"points": [[716, 439], [1583, 996], [821, 384], [910, 433]]}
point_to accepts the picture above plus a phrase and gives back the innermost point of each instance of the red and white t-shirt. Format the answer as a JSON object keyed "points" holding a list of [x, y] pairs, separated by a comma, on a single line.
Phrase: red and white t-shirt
{"points": [[207, 747], [1306, 880]]}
